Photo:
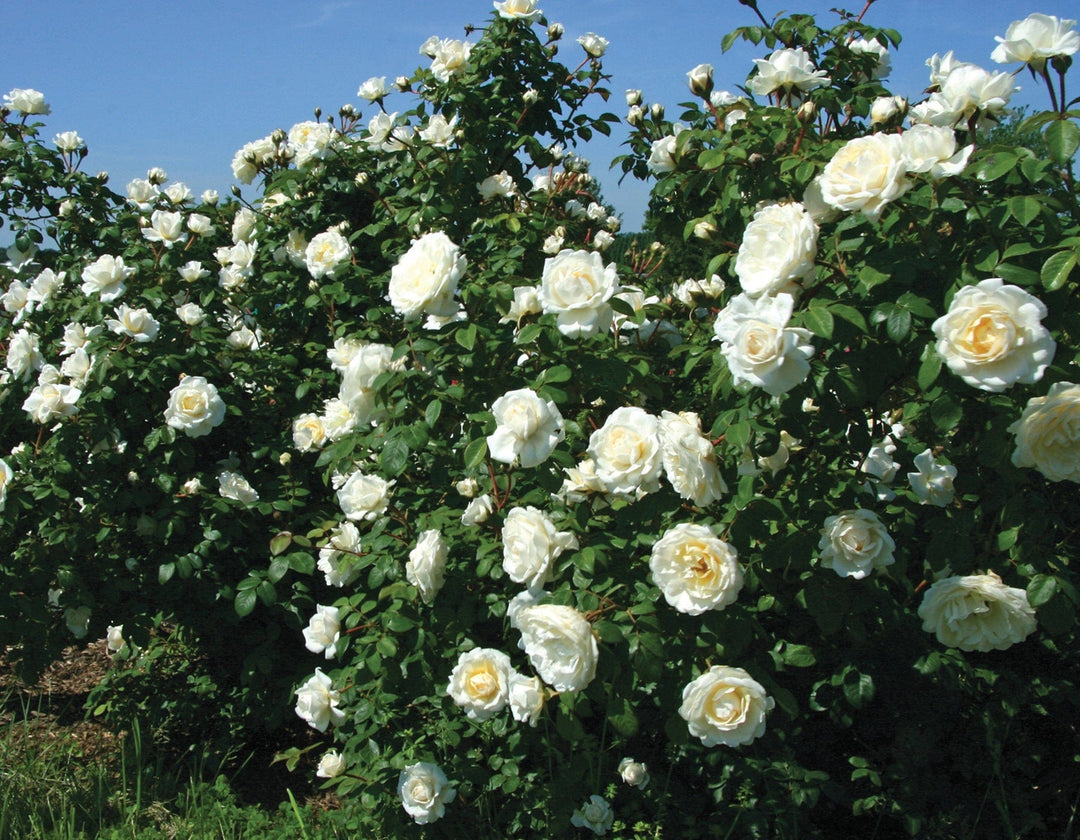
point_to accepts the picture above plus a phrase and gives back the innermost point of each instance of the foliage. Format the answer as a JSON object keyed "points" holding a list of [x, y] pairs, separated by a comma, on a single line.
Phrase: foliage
{"points": [[407, 376]]}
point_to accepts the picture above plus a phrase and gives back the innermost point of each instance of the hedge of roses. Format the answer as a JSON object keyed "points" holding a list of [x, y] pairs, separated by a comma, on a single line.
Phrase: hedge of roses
{"points": [[757, 525]]}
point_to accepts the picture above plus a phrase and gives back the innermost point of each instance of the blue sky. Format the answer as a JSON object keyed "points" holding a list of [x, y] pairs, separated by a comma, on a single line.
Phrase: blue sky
{"points": [[184, 85]]}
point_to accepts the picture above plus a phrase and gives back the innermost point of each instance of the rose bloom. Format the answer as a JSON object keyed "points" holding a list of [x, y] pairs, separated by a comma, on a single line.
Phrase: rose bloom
{"points": [[634, 773], [1035, 39], [593, 44], [194, 407], [873, 47], [932, 149], [337, 559], [425, 792], [308, 432], [449, 58], [137, 324], [664, 154], [114, 638], [518, 9], [191, 314], [331, 765], [786, 70], [317, 702], [933, 483], [192, 271], [627, 452], [232, 485], [6, 474], [23, 355], [526, 698], [595, 815], [165, 227], [500, 185], [777, 250], [326, 254], [26, 101], [559, 643], [968, 90], [884, 108], [426, 567], [373, 89], [695, 569], [865, 174], [531, 545], [528, 428], [1048, 433], [478, 510], [526, 302], [323, 631], [364, 497], [424, 279], [992, 336], [439, 132], [759, 346], [576, 286], [726, 706], [105, 277], [977, 613], [689, 458], [480, 683], [199, 224], [68, 141], [700, 80], [855, 543]]}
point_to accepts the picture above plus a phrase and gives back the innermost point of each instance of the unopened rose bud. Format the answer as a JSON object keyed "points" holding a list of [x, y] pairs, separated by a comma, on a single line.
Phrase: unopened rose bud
{"points": [[806, 112], [530, 96], [210, 197], [285, 458], [402, 83], [103, 175], [704, 229], [555, 31], [700, 80], [657, 111], [362, 179], [636, 116], [157, 175], [885, 108], [633, 97]]}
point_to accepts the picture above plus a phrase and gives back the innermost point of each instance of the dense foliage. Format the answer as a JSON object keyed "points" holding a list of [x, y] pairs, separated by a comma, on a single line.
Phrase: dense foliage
{"points": [[771, 537]]}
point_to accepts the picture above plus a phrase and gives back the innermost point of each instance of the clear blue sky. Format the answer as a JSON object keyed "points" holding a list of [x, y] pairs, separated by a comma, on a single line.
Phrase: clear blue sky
{"points": [[183, 85]]}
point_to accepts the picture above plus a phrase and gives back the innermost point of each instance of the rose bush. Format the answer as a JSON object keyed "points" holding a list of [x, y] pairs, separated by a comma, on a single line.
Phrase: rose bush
{"points": [[539, 497]]}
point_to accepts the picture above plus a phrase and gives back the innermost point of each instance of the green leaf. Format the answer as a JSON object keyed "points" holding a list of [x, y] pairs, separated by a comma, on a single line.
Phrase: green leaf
{"points": [[819, 320], [993, 166], [858, 688], [394, 456], [620, 714], [1062, 140], [245, 602], [929, 369], [280, 542], [1041, 589], [558, 373], [475, 452], [898, 324], [432, 412], [1056, 270], [946, 412], [165, 572], [1024, 208], [466, 336], [278, 567]]}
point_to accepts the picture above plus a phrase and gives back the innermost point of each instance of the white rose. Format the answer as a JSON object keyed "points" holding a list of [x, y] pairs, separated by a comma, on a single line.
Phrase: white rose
{"points": [[992, 336], [425, 792], [634, 773], [192, 271], [137, 324], [77, 620], [439, 132], [323, 631], [114, 638], [689, 458], [480, 683], [593, 44], [364, 497], [23, 356], [105, 277], [194, 407], [1048, 433], [759, 346], [191, 314], [449, 58], [326, 254], [50, 402], [967, 91], [528, 428], [977, 612], [77, 368], [526, 698], [560, 645], [531, 545], [199, 224], [337, 559], [232, 485], [426, 567], [695, 569], [933, 483], [373, 89], [786, 70], [424, 280], [478, 510], [879, 464], [855, 543], [526, 301], [863, 46], [308, 141], [142, 194], [627, 452], [700, 80], [6, 474], [26, 101], [518, 9], [331, 765], [497, 186], [777, 250], [1035, 39], [576, 286], [165, 227], [726, 706], [932, 149], [884, 108], [865, 174], [317, 703], [308, 432], [663, 154], [68, 141], [595, 815]]}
